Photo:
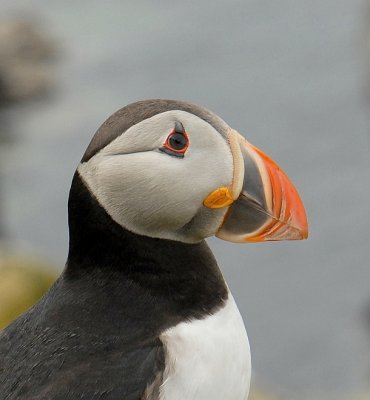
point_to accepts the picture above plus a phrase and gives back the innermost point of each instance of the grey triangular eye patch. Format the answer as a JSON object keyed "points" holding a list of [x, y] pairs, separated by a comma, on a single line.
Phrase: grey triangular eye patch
{"points": [[179, 127]]}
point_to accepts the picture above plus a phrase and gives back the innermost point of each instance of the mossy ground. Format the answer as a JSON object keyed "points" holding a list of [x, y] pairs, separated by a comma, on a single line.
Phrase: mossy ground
{"points": [[23, 281], [259, 395]]}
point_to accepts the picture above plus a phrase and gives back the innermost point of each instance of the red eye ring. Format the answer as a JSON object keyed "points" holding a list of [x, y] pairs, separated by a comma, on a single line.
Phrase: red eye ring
{"points": [[177, 142]]}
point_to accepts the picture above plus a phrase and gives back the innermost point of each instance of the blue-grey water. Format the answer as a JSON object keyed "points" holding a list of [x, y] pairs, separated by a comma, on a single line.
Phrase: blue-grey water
{"points": [[291, 76]]}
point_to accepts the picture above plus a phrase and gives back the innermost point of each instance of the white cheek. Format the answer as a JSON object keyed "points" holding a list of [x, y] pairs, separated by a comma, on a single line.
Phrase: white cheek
{"points": [[152, 192], [146, 192], [155, 194]]}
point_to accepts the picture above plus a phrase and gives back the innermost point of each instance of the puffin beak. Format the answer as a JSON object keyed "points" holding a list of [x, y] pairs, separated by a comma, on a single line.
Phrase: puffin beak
{"points": [[262, 203]]}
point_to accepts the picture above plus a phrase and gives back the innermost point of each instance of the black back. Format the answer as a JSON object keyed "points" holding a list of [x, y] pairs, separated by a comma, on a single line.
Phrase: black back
{"points": [[95, 334]]}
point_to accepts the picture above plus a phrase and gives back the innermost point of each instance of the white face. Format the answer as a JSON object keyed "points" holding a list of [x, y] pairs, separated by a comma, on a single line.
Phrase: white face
{"points": [[156, 194]]}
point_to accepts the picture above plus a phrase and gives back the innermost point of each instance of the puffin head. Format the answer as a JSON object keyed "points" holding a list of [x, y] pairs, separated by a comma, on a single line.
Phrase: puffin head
{"points": [[173, 170]]}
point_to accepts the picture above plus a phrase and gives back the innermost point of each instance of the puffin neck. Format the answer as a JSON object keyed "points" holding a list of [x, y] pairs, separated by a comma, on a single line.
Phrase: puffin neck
{"points": [[98, 245]]}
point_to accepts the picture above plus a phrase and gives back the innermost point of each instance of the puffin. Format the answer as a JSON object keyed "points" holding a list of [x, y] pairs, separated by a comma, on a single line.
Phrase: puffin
{"points": [[141, 310]]}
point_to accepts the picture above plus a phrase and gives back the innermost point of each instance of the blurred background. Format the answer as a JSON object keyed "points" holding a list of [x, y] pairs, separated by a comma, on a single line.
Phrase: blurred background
{"points": [[293, 76]]}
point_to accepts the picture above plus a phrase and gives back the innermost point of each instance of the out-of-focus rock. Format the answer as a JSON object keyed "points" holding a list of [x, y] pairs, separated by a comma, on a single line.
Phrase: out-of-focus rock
{"points": [[23, 281], [26, 55]]}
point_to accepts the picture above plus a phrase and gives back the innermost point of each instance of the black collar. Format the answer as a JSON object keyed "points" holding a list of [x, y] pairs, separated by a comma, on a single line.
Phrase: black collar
{"points": [[173, 280]]}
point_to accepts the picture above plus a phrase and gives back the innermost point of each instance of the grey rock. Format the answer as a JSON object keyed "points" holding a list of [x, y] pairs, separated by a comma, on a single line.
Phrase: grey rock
{"points": [[26, 60]]}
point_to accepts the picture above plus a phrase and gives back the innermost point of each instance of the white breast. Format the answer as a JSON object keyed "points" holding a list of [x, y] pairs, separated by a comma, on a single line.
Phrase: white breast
{"points": [[208, 359]]}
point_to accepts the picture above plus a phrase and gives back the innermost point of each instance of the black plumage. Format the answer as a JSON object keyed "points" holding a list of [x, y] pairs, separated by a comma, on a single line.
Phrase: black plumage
{"points": [[95, 334]]}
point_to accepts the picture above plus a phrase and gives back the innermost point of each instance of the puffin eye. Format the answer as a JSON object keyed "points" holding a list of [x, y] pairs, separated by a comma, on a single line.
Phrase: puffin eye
{"points": [[177, 142]]}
